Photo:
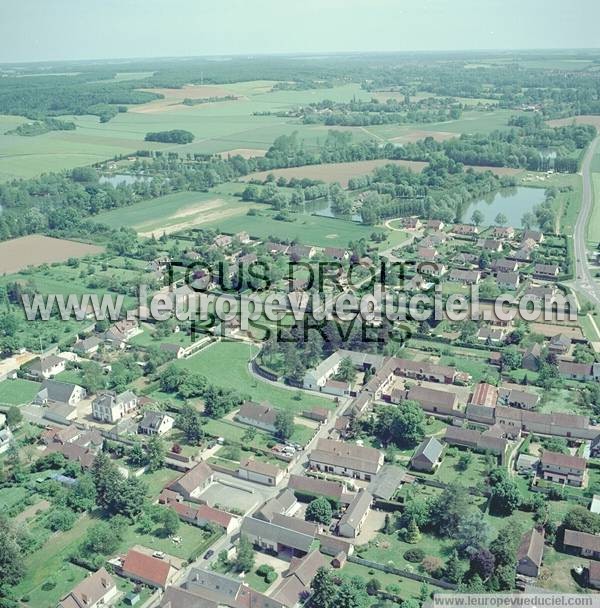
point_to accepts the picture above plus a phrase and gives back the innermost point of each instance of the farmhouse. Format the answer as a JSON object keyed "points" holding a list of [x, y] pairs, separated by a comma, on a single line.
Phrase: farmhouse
{"points": [[260, 472], [559, 344], [514, 421], [491, 245], [532, 358], [146, 569], [120, 333], [110, 406], [314, 487], [586, 372], [295, 586], [222, 240], [155, 423], [428, 455], [355, 515], [530, 553], [464, 230], [192, 483], [587, 545], [491, 335], [518, 398], [45, 367], [346, 459], [53, 391], [563, 468], [503, 232], [534, 235], [262, 416], [97, 589], [283, 504], [203, 515], [272, 537], [431, 400], [6, 438], [176, 350], [488, 441]]}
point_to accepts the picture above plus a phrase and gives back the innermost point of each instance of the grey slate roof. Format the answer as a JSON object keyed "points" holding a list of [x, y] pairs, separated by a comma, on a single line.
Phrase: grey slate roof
{"points": [[430, 449], [277, 534], [357, 508], [386, 482], [53, 390]]}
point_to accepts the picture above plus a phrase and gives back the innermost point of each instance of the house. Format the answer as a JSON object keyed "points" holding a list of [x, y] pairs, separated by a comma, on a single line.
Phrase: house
{"points": [[468, 277], [110, 406], [491, 245], [428, 455], [427, 254], [411, 223], [339, 388], [532, 358], [465, 260], [260, 415], [260, 472], [563, 468], [194, 482], [285, 503], [505, 265], [336, 253], [593, 575], [120, 333], [347, 459], [204, 515], [534, 235], [514, 421], [98, 589], [294, 587], [488, 441], [275, 537], [312, 487], [464, 230], [546, 272], [53, 391], [431, 400], [176, 350], [207, 589], [491, 335], [45, 367], [145, 569], [518, 398], [586, 372], [530, 553], [584, 543], [155, 423], [222, 240], [243, 237], [6, 438], [299, 252], [503, 232], [74, 444], [509, 281], [559, 344], [275, 248], [541, 293], [434, 225], [87, 346], [355, 515]]}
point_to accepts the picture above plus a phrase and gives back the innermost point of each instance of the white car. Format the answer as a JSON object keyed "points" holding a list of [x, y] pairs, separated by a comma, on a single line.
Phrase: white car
{"points": [[159, 554]]}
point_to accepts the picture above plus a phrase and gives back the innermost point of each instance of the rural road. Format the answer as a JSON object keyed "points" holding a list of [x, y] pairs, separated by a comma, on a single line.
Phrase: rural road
{"points": [[584, 281]]}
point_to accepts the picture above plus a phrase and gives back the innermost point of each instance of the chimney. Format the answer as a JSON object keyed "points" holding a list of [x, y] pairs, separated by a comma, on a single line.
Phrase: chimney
{"points": [[84, 598], [104, 582]]}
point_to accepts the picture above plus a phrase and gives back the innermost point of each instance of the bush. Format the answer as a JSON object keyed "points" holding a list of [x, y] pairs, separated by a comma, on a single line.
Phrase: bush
{"points": [[271, 576], [414, 555]]}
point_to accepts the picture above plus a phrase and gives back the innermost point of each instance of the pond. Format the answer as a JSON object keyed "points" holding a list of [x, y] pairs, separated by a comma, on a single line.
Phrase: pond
{"points": [[322, 208], [512, 202]]}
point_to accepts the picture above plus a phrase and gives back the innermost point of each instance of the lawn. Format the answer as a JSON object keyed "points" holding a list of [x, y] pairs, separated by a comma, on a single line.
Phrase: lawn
{"points": [[18, 391], [593, 234], [307, 229], [226, 364], [448, 471]]}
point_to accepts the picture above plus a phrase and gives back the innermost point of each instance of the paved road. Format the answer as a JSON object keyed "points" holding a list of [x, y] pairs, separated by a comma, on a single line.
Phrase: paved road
{"points": [[584, 281]]}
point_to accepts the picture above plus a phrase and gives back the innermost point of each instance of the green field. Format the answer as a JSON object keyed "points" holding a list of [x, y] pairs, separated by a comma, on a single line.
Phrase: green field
{"points": [[18, 391], [218, 127], [226, 364], [593, 234]]}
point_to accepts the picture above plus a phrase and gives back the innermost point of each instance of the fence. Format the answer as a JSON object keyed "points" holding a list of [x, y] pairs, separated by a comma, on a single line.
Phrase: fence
{"points": [[399, 572]]}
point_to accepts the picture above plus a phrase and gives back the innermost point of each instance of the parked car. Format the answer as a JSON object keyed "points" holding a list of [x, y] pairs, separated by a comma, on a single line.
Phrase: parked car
{"points": [[209, 554]]}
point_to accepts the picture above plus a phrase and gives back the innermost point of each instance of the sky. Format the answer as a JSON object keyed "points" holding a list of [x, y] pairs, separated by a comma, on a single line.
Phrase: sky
{"points": [[49, 30]]}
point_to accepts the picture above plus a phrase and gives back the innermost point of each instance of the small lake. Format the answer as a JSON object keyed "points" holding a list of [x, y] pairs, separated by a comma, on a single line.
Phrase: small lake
{"points": [[512, 202], [121, 178], [323, 208]]}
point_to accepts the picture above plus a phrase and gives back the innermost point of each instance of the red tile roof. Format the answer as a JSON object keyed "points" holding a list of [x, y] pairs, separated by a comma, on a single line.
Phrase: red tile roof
{"points": [[145, 567]]}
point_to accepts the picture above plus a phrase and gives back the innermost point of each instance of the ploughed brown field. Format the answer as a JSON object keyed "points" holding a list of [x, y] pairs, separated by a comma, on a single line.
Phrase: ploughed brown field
{"points": [[35, 249], [343, 172], [578, 120]]}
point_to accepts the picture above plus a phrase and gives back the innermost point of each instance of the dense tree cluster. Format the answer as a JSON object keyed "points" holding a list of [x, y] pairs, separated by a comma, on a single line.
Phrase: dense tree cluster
{"points": [[175, 136]]}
